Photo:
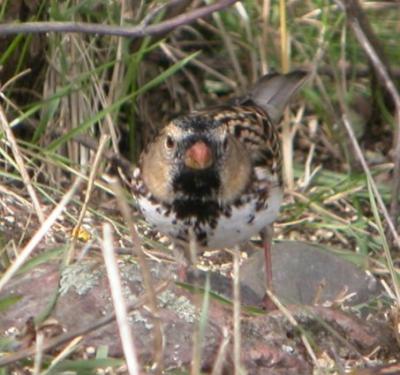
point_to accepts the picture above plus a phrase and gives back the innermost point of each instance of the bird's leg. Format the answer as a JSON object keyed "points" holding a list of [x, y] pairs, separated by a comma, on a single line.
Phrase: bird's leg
{"points": [[266, 236], [267, 244]]}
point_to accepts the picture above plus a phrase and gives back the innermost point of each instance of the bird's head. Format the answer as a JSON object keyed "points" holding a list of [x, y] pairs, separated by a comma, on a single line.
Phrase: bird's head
{"points": [[190, 156]]}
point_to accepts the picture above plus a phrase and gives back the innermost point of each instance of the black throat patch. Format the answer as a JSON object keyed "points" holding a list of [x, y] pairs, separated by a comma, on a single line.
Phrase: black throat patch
{"points": [[196, 192]]}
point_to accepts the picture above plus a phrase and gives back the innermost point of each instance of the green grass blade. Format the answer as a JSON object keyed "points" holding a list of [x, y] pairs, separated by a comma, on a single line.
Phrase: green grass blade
{"points": [[8, 301], [83, 367]]}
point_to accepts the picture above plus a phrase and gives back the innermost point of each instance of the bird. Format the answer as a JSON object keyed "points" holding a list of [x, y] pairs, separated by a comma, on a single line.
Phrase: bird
{"points": [[212, 177]]}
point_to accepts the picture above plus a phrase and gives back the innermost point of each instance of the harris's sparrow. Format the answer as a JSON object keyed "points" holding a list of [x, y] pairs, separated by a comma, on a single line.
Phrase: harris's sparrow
{"points": [[214, 175]]}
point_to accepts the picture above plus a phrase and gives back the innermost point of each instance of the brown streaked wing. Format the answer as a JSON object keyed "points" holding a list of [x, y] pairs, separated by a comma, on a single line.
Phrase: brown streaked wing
{"points": [[253, 128]]}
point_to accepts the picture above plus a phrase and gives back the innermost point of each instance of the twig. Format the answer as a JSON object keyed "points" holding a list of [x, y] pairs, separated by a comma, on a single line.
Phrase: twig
{"points": [[376, 57], [367, 171], [385, 245], [39, 353], [203, 311], [146, 274], [60, 340], [120, 307], [317, 208], [287, 139], [19, 198], [70, 348], [243, 13], [236, 313], [289, 316], [284, 42], [13, 79], [92, 144], [227, 38], [93, 171], [30, 246], [212, 72], [139, 31], [264, 36], [221, 356], [349, 70], [21, 165]]}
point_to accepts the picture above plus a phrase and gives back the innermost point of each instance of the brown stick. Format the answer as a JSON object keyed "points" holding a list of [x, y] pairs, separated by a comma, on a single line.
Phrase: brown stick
{"points": [[368, 41], [92, 144], [148, 281], [139, 31]]}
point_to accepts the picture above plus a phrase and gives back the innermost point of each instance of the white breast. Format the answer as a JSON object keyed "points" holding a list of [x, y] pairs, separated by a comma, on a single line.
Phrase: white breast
{"points": [[243, 223]]}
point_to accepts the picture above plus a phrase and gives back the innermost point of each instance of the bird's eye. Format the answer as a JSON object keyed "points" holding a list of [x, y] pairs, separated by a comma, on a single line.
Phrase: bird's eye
{"points": [[169, 142]]}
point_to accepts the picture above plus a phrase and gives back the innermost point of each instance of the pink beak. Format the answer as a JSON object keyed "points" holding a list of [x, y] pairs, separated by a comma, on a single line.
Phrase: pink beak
{"points": [[198, 156]]}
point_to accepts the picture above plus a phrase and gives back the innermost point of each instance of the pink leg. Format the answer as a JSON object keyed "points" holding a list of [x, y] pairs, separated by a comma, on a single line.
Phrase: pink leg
{"points": [[267, 243]]}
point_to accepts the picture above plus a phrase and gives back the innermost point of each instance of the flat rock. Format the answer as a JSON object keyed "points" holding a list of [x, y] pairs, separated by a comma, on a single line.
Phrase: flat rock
{"points": [[304, 274]]}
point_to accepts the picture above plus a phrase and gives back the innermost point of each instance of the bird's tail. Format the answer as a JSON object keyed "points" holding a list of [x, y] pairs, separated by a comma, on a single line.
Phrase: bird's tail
{"points": [[272, 92]]}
